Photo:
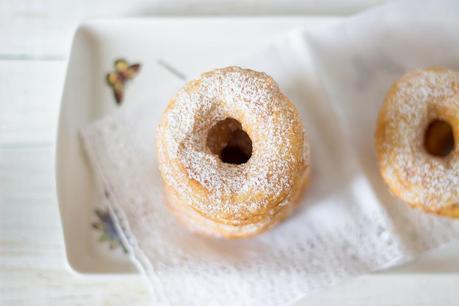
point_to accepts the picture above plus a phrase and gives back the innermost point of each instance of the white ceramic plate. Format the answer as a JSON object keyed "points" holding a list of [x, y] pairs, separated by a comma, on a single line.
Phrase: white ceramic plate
{"points": [[169, 51]]}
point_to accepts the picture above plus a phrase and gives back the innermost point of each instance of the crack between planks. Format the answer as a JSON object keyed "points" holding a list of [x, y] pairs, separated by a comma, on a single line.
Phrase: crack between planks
{"points": [[28, 57]]}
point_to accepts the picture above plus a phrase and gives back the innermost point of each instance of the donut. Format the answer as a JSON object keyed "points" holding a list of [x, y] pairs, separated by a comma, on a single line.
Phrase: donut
{"points": [[417, 135], [232, 153]]}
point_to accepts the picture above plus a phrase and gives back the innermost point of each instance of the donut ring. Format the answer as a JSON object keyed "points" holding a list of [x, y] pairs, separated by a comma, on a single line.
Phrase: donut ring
{"points": [[242, 109], [405, 141]]}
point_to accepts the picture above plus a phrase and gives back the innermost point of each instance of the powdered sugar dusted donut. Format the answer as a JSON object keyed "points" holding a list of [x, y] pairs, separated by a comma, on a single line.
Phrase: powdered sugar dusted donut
{"points": [[417, 139], [232, 153]]}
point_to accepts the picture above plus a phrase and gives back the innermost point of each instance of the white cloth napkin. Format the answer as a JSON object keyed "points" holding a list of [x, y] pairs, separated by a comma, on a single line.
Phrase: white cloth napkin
{"points": [[348, 223]]}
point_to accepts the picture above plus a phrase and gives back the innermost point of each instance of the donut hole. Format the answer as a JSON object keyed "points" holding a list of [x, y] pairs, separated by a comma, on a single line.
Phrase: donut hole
{"points": [[439, 138], [230, 142]]}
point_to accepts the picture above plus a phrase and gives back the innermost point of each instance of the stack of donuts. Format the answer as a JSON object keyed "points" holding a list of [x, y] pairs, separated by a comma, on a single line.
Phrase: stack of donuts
{"points": [[232, 153]]}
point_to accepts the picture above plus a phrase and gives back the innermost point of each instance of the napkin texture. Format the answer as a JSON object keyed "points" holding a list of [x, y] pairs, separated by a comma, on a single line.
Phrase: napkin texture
{"points": [[348, 223]]}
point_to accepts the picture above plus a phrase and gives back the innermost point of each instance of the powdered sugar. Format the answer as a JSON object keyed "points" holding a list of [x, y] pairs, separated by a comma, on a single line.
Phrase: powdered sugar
{"points": [[268, 117], [421, 97]]}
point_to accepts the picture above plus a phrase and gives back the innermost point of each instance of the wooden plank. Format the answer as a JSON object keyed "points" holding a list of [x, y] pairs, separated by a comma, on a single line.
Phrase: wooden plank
{"points": [[44, 287], [30, 93], [43, 29], [30, 235], [390, 290]]}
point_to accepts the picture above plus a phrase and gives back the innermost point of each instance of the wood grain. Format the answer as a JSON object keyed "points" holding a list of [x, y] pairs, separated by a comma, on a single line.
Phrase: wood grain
{"points": [[30, 92]]}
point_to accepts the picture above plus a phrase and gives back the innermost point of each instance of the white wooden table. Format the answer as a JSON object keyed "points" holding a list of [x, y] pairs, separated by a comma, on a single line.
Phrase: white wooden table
{"points": [[34, 42]]}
